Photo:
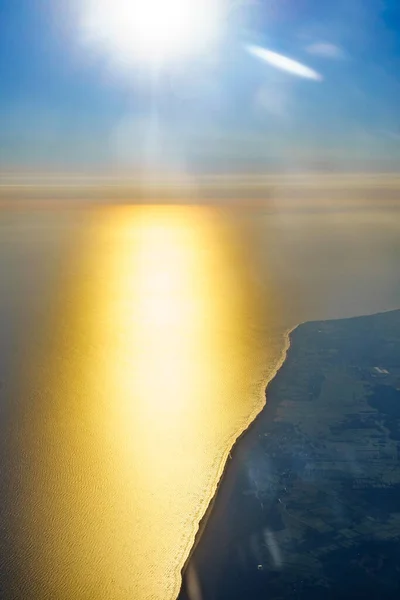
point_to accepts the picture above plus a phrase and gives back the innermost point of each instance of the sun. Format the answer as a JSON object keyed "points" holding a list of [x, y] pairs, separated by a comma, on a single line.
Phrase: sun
{"points": [[152, 30]]}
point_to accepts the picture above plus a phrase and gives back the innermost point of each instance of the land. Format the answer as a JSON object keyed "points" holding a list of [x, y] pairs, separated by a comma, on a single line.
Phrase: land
{"points": [[309, 505]]}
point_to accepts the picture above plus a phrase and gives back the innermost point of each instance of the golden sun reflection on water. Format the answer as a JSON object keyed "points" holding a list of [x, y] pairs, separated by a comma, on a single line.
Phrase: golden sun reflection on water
{"points": [[147, 371]]}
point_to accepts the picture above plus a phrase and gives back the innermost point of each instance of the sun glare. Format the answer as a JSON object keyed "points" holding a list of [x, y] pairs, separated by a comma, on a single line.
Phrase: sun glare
{"points": [[152, 30]]}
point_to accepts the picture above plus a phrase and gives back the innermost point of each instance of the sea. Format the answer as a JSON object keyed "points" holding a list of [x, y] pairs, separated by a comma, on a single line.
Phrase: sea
{"points": [[136, 342]]}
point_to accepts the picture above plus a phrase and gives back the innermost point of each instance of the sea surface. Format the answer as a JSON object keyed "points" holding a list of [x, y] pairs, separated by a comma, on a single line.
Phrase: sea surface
{"points": [[135, 346]]}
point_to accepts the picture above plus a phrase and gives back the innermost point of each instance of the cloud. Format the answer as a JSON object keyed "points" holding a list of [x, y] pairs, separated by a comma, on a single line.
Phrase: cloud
{"points": [[279, 61], [326, 50]]}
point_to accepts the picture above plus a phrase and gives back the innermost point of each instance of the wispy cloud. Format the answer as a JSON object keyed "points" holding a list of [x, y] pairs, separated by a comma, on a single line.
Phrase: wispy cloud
{"points": [[279, 61], [326, 50]]}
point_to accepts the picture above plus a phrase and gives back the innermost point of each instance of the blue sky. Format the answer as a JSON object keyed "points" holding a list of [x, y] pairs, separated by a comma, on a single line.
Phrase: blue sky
{"points": [[66, 104]]}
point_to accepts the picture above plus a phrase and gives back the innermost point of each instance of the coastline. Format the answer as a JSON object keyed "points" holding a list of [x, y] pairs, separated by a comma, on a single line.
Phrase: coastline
{"points": [[231, 450], [253, 421]]}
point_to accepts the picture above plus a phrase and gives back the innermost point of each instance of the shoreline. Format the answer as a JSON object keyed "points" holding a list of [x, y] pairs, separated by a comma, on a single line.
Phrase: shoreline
{"points": [[252, 423], [202, 523]]}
